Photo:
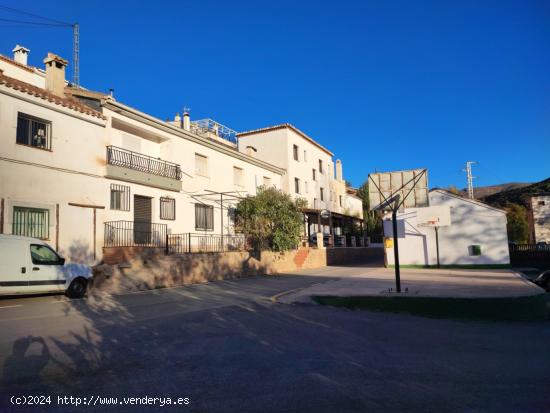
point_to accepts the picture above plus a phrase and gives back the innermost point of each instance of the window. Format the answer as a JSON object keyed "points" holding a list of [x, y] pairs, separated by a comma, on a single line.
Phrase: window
{"points": [[167, 208], [238, 176], [305, 156], [33, 131], [306, 187], [267, 181], [314, 174], [44, 255], [120, 197], [296, 185], [295, 152], [320, 166], [204, 217], [340, 198], [31, 222], [201, 165], [322, 194]]}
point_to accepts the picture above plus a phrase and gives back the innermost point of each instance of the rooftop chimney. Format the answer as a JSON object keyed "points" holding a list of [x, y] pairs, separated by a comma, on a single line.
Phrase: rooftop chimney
{"points": [[186, 120], [20, 54], [55, 74], [339, 176], [177, 121]]}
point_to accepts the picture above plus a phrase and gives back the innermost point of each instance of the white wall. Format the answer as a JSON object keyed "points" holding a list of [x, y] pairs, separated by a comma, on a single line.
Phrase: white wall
{"points": [[472, 223], [276, 146], [540, 206]]}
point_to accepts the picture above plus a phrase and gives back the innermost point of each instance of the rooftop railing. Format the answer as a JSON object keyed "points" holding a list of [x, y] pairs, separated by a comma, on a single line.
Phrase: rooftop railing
{"points": [[143, 163], [208, 125]]}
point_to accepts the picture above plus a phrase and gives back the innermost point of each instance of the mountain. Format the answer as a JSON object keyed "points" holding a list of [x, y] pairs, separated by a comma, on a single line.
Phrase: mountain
{"points": [[484, 191], [517, 195]]}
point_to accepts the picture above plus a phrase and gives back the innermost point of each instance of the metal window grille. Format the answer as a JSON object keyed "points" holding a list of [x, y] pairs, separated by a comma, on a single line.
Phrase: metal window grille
{"points": [[322, 194], [33, 131], [120, 197], [295, 151], [296, 185], [320, 166], [204, 217], [314, 174], [31, 222], [167, 208]]}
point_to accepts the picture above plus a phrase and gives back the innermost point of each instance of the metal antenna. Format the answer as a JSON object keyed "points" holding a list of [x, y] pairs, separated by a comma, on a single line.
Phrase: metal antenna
{"points": [[76, 53], [470, 178]]}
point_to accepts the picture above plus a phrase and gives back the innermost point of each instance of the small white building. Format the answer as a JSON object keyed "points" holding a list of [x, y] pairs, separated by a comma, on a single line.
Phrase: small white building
{"points": [[476, 236], [538, 207]]}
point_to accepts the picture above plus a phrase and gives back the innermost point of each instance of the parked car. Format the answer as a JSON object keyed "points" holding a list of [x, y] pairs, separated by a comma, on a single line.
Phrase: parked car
{"points": [[543, 280], [31, 266]]}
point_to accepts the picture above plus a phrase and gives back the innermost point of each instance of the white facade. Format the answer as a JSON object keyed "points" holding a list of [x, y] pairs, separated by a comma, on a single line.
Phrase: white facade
{"points": [[64, 184], [311, 173], [539, 207], [472, 224]]}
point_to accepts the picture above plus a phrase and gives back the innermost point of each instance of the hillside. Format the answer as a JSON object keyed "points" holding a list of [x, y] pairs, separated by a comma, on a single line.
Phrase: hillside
{"points": [[517, 195], [484, 191]]}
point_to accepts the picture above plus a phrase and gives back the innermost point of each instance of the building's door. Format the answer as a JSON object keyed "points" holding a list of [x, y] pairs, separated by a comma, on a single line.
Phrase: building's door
{"points": [[142, 219]]}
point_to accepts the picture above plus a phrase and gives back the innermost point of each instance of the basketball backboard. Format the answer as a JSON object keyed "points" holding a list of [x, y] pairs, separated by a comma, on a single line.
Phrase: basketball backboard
{"points": [[385, 185], [434, 216]]}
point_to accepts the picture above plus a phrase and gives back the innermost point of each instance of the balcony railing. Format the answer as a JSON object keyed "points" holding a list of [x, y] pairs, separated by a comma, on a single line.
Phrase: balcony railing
{"points": [[132, 160], [188, 243], [134, 234], [208, 125]]}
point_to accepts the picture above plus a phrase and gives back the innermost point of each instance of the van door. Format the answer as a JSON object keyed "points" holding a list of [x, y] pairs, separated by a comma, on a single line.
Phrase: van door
{"points": [[45, 274], [14, 266]]}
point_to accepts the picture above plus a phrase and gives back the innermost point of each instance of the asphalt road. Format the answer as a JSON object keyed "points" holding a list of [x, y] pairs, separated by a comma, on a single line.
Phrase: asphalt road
{"points": [[228, 348]]}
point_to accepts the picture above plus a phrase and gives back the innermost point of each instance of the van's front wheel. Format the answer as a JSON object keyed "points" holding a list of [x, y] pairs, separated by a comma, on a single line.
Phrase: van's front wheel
{"points": [[77, 289]]}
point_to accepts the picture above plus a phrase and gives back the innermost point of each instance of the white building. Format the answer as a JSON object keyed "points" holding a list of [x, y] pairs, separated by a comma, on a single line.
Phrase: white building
{"points": [[82, 170], [539, 217], [74, 162], [311, 174], [477, 234]]}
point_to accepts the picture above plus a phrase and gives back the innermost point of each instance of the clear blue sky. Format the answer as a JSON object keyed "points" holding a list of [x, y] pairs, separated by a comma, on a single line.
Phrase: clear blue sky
{"points": [[386, 85]]}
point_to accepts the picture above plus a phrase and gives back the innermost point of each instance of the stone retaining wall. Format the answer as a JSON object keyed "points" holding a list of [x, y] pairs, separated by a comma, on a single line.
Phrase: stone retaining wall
{"points": [[146, 268]]}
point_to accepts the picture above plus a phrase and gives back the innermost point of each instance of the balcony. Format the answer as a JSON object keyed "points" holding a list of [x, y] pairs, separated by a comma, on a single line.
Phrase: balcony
{"points": [[142, 169]]}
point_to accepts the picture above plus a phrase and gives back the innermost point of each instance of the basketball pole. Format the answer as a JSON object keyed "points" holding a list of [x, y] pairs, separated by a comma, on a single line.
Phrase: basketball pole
{"points": [[437, 245], [396, 250]]}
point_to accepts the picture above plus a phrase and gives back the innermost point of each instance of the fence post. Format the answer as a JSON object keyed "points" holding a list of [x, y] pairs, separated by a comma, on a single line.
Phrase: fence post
{"points": [[189, 242], [166, 249]]}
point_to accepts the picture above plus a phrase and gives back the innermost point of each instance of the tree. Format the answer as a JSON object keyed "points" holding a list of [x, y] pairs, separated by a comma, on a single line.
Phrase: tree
{"points": [[372, 221], [272, 219], [454, 190], [517, 226]]}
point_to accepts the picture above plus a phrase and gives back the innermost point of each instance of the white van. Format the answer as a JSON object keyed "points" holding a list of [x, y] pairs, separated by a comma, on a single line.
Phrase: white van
{"points": [[30, 266]]}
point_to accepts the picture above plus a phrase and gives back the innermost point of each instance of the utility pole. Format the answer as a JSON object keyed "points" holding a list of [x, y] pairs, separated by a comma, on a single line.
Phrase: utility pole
{"points": [[470, 178], [76, 53]]}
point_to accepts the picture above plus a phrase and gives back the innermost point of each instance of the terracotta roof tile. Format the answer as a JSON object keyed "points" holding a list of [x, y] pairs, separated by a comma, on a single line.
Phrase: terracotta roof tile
{"points": [[67, 102], [13, 62]]}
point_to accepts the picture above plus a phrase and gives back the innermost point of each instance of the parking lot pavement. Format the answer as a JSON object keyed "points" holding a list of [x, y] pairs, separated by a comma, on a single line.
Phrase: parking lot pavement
{"points": [[228, 348], [449, 283]]}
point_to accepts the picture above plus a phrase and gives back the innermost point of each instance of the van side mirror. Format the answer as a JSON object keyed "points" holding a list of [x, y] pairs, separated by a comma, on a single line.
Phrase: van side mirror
{"points": [[61, 261]]}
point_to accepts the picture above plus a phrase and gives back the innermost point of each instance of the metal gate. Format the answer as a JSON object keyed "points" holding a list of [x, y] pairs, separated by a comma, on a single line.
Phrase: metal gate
{"points": [[142, 219]]}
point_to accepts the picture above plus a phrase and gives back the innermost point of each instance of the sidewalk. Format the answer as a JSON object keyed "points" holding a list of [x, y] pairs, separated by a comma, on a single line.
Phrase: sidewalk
{"points": [[440, 283]]}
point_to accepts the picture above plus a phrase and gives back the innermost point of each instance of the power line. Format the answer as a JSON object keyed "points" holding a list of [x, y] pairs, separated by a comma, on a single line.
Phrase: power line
{"points": [[53, 23], [25, 22], [26, 13]]}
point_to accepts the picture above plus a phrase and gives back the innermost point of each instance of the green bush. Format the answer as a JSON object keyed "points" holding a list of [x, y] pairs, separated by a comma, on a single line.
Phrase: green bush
{"points": [[272, 219]]}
